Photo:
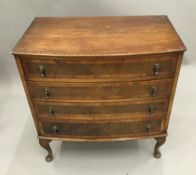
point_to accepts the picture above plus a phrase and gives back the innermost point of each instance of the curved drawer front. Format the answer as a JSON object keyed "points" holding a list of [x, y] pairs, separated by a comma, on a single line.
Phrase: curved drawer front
{"points": [[106, 129], [100, 111], [100, 69], [101, 91]]}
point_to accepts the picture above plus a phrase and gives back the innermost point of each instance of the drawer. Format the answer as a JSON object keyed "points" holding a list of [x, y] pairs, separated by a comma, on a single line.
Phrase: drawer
{"points": [[100, 91], [101, 129], [123, 69], [100, 111]]}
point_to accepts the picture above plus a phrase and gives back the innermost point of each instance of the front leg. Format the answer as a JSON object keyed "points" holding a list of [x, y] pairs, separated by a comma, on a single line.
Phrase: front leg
{"points": [[160, 142], [45, 144]]}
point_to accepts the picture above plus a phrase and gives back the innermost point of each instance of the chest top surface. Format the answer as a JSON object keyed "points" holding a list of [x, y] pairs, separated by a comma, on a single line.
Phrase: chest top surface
{"points": [[99, 36]]}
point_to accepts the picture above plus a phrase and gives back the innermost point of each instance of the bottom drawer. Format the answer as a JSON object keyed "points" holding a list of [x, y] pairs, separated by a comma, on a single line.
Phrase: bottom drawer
{"points": [[101, 129]]}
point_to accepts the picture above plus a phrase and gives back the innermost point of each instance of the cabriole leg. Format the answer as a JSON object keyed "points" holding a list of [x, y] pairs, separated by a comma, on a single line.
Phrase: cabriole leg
{"points": [[160, 142], [45, 144]]}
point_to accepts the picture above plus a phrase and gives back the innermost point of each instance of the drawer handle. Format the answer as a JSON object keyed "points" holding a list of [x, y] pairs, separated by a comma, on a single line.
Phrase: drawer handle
{"points": [[51, 111], [153, 91], [46, 93], [157, 68], [42, 71], [55, 129], [151, 109], [148, 127]]}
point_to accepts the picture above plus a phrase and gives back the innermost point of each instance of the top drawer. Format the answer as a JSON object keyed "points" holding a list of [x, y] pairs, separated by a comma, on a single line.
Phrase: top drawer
{"points": [[99, 70]]}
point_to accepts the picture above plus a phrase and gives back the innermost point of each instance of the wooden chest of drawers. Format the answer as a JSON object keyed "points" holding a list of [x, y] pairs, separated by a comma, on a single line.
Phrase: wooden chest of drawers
{"points": [[100, 78]]}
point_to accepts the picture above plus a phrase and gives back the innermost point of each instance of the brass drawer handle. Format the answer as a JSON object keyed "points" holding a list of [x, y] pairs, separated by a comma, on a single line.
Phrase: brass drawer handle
{"points": [[46, 93], [157, 68], [42, 71], [151, 109], [153, 91], [55, 129], [148, 127], [50, 111]]}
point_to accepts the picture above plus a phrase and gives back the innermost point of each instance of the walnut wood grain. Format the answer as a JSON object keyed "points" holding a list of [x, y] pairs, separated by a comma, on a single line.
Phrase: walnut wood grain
{"points": [[173, 90], [103, 139], [121, 69], [101, 129], [97, 75], [101, 111], [100, 91], [29, 98], [99, 36]]}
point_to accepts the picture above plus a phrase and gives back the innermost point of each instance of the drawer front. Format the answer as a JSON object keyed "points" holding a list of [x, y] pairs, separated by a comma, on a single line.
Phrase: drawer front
{"points": [[100, 70], [100, 111], [100, 91], [100, 129]]}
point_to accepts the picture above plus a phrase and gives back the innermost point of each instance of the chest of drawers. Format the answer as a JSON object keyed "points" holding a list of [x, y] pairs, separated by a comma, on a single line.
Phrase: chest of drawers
{"points": [[100, 78]]}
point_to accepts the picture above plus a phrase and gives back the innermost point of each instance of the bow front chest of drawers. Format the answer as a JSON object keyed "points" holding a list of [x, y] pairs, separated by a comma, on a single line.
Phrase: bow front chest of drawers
{"points": [[100, 78]]}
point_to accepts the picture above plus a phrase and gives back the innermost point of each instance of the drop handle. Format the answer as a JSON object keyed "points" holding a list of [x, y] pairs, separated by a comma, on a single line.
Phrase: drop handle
{"points": [[55, 129], [42, 71], [46, 93], [50, 111], [157, 68], [151, 109], [148, 127], [153, 91]]}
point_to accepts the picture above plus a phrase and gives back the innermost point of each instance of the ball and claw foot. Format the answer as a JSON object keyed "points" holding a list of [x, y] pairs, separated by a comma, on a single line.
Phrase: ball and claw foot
{"points": [[160, 142]]}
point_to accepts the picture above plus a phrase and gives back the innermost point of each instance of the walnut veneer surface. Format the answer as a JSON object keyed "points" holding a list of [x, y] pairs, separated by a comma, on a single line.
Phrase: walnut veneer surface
{"points": [[100, 78]]}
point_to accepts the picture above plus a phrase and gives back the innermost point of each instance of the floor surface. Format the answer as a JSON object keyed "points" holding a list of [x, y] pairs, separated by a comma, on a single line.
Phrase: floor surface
{"points": [[21, 154]]}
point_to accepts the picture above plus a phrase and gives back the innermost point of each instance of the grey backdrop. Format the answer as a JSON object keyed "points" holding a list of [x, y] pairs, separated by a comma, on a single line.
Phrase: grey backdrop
{"points": [[16, 15], [19, 149]]}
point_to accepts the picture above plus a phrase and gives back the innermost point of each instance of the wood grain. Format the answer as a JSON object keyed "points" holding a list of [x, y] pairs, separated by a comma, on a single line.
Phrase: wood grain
{"points": [[22, 76], [98, 77], [103, 139], [99, 36], [101, 91], [121, 69], [101, 111], [79, 129], [177, 72]]}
